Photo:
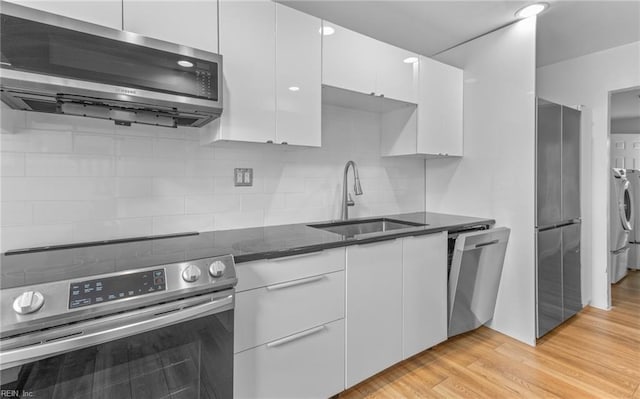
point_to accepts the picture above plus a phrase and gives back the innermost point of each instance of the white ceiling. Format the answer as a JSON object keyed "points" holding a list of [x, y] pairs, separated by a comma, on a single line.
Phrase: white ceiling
{"points": [[567, 29]]}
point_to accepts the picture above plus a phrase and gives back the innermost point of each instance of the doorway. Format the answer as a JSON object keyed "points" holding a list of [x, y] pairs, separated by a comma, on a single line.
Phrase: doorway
{"points": [[624, 161]]}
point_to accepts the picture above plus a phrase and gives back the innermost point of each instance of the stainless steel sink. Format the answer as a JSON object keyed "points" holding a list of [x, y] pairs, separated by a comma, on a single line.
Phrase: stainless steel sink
{"points": [[354, 228]]}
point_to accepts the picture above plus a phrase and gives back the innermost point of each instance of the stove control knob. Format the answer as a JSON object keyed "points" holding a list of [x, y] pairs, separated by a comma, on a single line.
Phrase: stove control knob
{"points": [[216, 269], [28, 302], [191, 273]]}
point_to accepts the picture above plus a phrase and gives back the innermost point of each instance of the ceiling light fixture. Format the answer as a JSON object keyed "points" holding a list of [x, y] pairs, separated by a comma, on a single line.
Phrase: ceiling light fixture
{"points": [[185, 63], [531, 10], [294, 88], [410, 60], [327, 30]]}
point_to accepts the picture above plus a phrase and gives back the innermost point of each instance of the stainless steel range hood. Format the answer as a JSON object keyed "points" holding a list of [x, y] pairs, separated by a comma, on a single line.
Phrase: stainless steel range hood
{"points": [[60, 65]]}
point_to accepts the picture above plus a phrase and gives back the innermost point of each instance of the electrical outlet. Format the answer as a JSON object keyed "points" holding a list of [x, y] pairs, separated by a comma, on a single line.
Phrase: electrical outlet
{"points": [[243, 177]]}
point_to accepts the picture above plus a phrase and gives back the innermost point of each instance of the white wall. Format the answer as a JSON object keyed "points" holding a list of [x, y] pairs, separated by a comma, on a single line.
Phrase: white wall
{"points": [[495, 178], [68, 179], [588, 80]]}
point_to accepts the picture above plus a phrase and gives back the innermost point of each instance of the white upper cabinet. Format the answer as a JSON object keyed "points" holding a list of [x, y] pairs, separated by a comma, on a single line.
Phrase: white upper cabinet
{"points": [[348, 59], [101, 12], [248, 47], [190, 23], [359, 63], [397, 73], [434, 128], [298, 77], [440, 130], [271, 68]]}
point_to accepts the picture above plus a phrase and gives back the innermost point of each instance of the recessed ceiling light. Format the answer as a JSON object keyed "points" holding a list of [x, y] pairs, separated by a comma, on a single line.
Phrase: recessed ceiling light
{"points": [[410, 60], [531, 10], [327, 30], [294, 88], [185, 63]]}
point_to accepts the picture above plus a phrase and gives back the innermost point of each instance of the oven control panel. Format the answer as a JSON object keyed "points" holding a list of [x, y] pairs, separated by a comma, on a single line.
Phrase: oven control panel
{"points": [[53, 303], [92, 292]]}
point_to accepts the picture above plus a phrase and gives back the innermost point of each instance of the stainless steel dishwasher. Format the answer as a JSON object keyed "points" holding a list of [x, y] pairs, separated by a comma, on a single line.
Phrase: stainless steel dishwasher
{"points": [[475, 269]]}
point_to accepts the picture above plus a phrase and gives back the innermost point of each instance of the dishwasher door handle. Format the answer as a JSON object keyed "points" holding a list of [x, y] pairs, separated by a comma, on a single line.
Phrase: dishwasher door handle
{"points": [[486, 244]]}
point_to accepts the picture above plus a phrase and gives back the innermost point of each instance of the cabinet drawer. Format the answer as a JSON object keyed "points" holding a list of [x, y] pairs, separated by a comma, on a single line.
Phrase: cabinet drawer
{"points": [[278, 310], [305, 365], [271, 271]]}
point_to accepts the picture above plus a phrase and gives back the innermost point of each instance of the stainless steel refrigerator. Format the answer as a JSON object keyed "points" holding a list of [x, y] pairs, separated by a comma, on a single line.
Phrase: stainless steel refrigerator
{"points": [[557, 215]]}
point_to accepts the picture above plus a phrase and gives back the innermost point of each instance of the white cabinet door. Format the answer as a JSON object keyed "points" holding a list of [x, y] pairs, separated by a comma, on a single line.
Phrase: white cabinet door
{"points": [[187, 22], [308, 364], [349, 60], [395, 78], [374, 309], [298, 77], [424, 292], [101, 12], [277, 310], [440, 109], [247, 44], [362, 64]]}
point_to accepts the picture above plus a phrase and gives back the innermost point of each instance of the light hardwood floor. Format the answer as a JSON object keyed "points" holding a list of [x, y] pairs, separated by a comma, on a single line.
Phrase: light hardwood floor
{"points": [[596, 354]]}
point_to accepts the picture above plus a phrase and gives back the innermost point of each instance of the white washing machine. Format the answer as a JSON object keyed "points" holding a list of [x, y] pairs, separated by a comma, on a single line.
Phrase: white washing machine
{"points": [[633, 175], [621, 224]]}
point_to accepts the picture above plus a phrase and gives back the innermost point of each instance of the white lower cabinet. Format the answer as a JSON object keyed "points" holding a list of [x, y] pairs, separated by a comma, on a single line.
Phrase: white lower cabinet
{"points": [[289, 327], [374, 309], [396, 302], [274, 311], [310, 326], [309, 364], [424, 294]]}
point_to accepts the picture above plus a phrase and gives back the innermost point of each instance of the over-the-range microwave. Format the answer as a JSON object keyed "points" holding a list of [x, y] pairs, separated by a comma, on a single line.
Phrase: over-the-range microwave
{"points": [[56, 64]]}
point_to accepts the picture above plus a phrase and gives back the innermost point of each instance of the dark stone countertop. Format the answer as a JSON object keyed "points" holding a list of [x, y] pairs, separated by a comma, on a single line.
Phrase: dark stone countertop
{"points": [[278, 241], [245, 245]]}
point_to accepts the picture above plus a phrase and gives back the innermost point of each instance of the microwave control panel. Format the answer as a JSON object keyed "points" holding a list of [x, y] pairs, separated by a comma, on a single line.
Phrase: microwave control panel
{"points": [[205, 82], [93, 292]]}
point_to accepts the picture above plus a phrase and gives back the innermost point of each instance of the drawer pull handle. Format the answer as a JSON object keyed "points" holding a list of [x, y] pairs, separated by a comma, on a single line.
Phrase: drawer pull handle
{"points": [[295, 337], [294, 283]]}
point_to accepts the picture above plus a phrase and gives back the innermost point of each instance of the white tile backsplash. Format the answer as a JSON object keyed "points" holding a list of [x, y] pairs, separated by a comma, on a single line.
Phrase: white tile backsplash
{"points": [[175, 223], [149, 167], [49, 212], [68, 165], [57, 188], [69, 179], [12, 164], [150, 206], [93, 144], [212, 204], [27, 140], [16, 213], [115, 228]]}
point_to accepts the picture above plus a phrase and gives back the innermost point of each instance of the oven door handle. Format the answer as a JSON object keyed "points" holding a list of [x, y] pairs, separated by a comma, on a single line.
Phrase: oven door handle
{"points": [[107, 329]]}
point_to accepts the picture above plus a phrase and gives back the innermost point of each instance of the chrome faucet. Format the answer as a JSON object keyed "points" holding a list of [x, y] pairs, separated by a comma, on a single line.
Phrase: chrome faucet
{"points": [[347, 201]]}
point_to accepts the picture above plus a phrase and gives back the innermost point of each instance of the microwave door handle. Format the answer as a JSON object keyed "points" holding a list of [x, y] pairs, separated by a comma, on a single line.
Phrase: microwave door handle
{"points": [[103, 332]]}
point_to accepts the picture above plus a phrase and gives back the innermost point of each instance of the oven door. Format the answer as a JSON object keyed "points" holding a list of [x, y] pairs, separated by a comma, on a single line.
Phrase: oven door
{"points": [[182, 349]]}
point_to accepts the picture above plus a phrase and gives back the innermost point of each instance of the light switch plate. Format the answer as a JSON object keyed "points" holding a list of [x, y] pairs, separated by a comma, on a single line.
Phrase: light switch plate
{"points": [[243, 177]]}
